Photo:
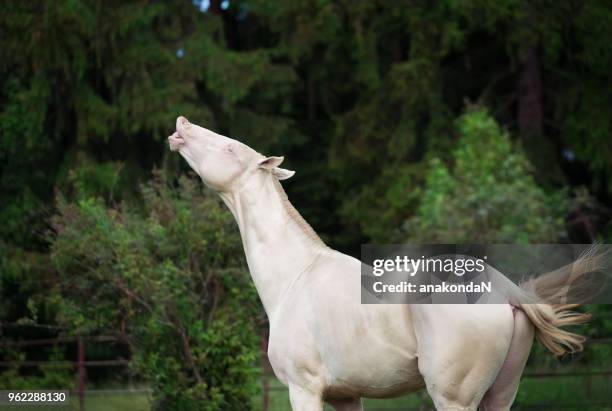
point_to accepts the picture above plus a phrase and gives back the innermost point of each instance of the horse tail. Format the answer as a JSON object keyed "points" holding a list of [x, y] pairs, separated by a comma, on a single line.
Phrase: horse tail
{"points": [[548, 311], [548, 320]]}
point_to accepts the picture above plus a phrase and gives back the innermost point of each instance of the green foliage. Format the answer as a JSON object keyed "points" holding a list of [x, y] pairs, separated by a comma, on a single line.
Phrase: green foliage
{"points": [[78, 75], [170, 279], [581, 105], [361, 97], [487, 196], [351, 93], [50, 376]]}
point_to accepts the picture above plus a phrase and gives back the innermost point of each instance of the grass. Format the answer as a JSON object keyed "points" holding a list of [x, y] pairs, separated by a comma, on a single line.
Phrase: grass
{"points": [[568, 393], [112, 401], [279, 400], [117, 402]]}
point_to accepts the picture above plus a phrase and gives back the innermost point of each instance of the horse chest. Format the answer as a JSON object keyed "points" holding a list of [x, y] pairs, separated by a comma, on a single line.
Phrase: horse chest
{"points": [[292, 352]]}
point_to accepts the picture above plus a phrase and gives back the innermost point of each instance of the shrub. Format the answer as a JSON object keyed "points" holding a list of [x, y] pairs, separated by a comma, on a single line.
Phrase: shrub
{"points": [[168, 277], [488, 195]]}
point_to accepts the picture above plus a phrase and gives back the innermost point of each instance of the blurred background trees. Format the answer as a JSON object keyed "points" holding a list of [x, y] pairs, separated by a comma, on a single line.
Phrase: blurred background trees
{"points": [[451, 121], [489, 196]]}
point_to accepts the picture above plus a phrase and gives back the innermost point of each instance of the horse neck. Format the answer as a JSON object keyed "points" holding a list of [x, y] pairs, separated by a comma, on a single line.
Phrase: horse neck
{"points": [[278, 243]]}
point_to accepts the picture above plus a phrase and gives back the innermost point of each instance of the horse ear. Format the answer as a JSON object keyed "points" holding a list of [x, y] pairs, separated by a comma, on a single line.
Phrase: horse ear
{"points": [[272, 163], [269, 163], [282, 174]]}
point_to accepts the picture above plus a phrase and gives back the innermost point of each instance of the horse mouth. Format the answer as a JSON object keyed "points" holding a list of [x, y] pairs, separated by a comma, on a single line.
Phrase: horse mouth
{"points": [[176, 141]]}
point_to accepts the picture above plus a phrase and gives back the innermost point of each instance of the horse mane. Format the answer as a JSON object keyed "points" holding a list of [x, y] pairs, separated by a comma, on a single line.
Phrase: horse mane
{"points": [[296, 216]]}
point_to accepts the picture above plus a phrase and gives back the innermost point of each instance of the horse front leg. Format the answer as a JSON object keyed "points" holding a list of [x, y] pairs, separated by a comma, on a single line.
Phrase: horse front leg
{"points": [[304, 400]]}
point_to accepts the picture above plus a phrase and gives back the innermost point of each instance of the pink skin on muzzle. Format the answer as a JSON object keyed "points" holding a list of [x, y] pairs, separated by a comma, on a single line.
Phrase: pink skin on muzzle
{"points": [[176, 140]]}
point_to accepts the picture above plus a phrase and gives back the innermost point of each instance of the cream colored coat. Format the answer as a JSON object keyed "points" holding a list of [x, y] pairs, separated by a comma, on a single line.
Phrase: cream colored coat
{"points": [[324, 344]]}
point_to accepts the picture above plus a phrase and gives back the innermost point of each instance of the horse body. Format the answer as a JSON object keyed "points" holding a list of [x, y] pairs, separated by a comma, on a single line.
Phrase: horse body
{"points": [[321, 326], [324, 344]]}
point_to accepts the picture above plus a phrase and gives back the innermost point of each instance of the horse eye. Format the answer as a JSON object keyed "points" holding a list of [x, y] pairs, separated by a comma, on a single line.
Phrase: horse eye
{"points": [[229, 148]]}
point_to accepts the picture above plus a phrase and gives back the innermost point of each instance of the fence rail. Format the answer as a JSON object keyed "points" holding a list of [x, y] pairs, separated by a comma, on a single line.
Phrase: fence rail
{"points": [[58, 340], [94, 363], [80, 364]]}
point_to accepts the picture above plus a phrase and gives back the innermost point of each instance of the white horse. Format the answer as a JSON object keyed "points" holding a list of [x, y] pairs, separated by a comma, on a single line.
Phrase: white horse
{"points": [[328, 347]]}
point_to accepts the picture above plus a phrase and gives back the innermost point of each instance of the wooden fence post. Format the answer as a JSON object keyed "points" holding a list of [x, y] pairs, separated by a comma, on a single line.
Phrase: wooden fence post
{"points": [[264, 372], [81, 369]]}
